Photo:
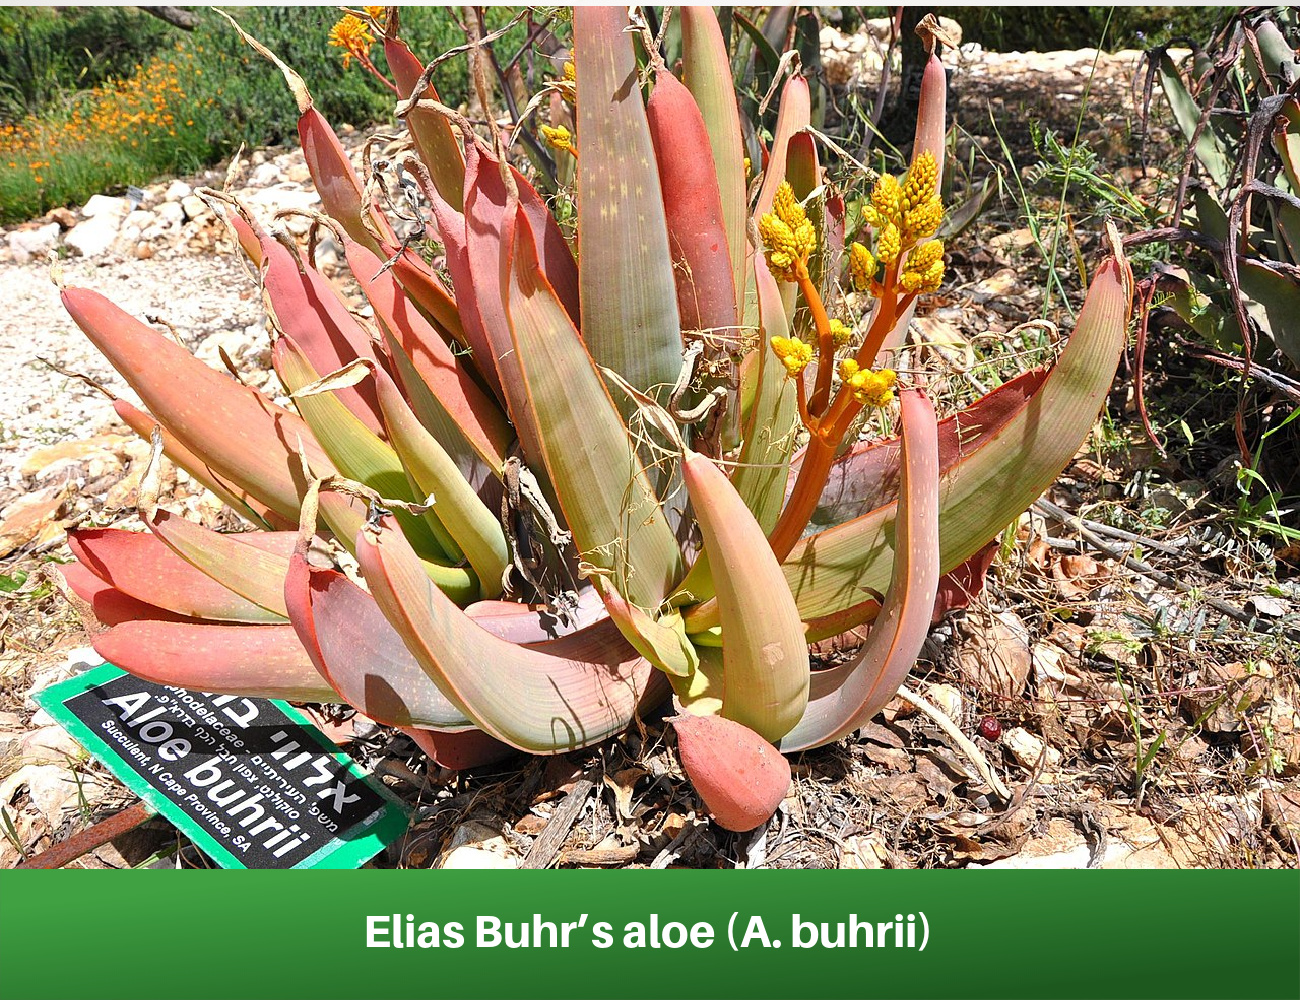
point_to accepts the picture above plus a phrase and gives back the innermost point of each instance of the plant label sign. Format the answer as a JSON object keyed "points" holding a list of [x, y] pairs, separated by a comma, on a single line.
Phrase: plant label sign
{"points": [[251, 781]]}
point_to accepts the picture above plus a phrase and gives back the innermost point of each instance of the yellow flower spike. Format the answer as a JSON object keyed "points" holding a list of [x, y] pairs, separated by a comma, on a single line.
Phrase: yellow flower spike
{"points": [[793, 353], [570, 72], [840, 333], [558, 137], [375, 12], [922, 222], [887, 199], [787, 207], [848, 368], [805, 238], [924, 269], [889, 245], [748, 166], [862, 266], [925, 255], [922, 182], [781, 244]]}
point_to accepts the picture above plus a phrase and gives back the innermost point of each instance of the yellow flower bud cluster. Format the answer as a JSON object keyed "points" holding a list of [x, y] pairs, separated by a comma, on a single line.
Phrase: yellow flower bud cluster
{"points": [[793, 353], [903, 215], [862, 266], [923, 270], [558, 137], [841, 333], [788, 235], [871, 388], [567, 84]]}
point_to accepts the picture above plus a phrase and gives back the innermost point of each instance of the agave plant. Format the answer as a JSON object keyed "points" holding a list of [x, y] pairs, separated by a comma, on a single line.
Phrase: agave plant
{"points": [[570, 470]]}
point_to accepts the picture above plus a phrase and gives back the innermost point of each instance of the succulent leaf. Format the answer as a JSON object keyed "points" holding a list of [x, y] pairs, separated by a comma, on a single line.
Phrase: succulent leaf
{"points": [[590, 458], [547, 698], [236, 431], [847, 696], [765, 657], [706, 71], [258, 661], [630, 322]]}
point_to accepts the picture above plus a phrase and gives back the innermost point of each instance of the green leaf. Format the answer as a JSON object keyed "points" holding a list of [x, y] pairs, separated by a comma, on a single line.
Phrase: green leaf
{"points": [[361, 456], [662, 641], [630, 322], [765, 657], [1209, 150], [591, 460], [252, 563], [762, 466], [472, 527]]}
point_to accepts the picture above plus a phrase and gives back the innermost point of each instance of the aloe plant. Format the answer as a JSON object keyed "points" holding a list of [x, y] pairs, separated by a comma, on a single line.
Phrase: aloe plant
{"points": [[1240, 116], [570, 473]]}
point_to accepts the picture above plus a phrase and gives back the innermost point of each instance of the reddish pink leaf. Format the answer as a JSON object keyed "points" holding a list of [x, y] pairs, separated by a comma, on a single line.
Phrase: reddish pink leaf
{"points": [[108, 604], [336, 181], [257, 661], [452, 227], [315, 319], [235, 498], [740, 776], [931, 119], [697, 235], [358, 652], [142, 567], [242, 437], [794, 116], [706, 71], [486, 200], [453, 386], [434, 140], [460, 751], [427, 291], [958, 588], [249, 240]]}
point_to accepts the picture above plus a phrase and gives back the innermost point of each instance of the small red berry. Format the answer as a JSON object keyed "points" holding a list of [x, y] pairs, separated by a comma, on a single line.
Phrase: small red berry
{"points": [[990, 728]]}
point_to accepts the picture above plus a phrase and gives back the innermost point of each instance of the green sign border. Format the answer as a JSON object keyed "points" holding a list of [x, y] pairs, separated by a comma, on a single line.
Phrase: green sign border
{"points": [[1005, 935], [364, 842]]}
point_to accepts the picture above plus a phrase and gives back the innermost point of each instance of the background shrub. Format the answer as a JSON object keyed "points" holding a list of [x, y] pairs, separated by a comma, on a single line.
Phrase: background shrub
{"points": [[95, 99]]}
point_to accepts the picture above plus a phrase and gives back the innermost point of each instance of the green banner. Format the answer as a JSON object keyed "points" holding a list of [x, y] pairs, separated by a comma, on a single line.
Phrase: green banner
{"points": [[682, 934]]}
